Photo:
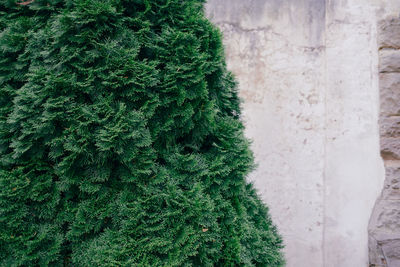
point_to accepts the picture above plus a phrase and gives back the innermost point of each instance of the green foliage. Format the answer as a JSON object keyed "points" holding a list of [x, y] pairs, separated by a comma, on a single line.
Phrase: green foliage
{"points": [[120, 140]]}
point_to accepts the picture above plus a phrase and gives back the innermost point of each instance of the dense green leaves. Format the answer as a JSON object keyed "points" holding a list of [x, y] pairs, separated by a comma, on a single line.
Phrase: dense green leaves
{"points": [[120, 140]]}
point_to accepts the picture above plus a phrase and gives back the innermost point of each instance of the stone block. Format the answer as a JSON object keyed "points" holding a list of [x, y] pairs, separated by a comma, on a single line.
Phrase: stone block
{"points": [[384, 245], [384, 249], [390, 93], [390, 148], [386, 218], [389, 126], [391, 251], [376, 256], [389, 60], [389, 33], [391, 189]]}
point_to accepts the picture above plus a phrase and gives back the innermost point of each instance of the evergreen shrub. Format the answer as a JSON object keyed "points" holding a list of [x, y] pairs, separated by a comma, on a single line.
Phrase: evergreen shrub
{"points": [[121, 142]]}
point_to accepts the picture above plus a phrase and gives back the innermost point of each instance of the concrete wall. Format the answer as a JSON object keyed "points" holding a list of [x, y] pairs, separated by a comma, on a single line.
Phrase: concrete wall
{"points": [[308, 76]]}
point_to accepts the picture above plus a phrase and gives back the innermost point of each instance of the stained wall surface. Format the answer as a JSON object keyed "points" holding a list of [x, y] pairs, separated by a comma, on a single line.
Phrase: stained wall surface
{"points": [[307, 73]]}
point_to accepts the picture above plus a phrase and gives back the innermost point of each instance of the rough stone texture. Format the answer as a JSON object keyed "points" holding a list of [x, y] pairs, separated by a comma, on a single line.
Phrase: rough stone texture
{"points": [[384, 227], [384, 252], [389, 126], [387, 219], [391, 189], [390, 93], [389, 60], [307, 73], [389, 36], [391, 250], [390, 148]]}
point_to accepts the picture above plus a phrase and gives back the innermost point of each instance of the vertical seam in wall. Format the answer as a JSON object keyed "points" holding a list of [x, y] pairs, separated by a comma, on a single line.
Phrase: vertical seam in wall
{"points": [[375, 68], [327, 3]]}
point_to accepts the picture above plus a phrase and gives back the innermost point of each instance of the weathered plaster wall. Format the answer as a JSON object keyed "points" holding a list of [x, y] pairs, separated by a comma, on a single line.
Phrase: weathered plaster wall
{"points": [[353, 171], [308, 76], [276, 56]]}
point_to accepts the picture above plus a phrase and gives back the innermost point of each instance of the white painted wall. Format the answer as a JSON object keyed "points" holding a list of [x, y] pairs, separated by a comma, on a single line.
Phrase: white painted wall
{"points": [[307, 72]]}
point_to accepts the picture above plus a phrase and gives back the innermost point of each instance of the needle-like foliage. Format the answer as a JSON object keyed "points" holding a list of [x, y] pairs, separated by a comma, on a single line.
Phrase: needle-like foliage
{"points": [[121, 142]]}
